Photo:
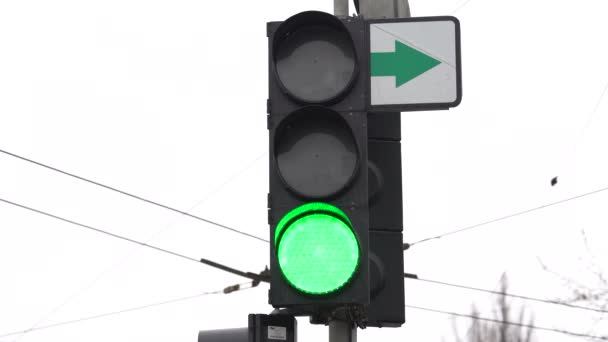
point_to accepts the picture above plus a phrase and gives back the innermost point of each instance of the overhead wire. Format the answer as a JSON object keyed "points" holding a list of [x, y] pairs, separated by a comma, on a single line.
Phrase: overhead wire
{"points": [[497, 321], [508, 216], [257, 279], [509, 295], [234, 230], [591, 115], [205, 220], [239, 287], [461, 6], [182, 256], [567, 159], [124, 259], [112, 313], [599, 101], [264, 278]]}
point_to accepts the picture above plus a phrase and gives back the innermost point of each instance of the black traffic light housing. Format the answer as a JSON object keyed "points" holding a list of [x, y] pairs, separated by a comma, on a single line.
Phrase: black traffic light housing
{"points": [[326, 147], [318, 139]]}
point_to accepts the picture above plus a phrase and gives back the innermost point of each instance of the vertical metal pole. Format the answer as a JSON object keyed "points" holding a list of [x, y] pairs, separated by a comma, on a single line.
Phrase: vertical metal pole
{"points": [[341, 331], [344, 331], [341, 8], [377, 9]]}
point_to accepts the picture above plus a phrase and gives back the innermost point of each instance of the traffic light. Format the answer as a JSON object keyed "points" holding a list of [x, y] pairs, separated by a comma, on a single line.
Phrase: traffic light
{"points": [[318, 179]]}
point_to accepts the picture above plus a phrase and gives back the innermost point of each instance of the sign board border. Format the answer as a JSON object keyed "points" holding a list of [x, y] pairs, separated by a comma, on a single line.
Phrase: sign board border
{"points": [[416, 106]]}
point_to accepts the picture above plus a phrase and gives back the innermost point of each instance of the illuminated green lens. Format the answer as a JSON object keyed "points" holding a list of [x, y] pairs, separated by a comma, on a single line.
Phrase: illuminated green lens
{"points": [[318, 251], [308, 208]]}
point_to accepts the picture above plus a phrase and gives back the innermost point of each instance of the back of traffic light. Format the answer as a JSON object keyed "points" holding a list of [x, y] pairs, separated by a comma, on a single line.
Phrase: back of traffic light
{"points": [[387, 305]]}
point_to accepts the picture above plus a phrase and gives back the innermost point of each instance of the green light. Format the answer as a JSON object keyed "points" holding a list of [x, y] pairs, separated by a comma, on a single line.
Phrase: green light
{"points": [[308, 208], [318, 251]]}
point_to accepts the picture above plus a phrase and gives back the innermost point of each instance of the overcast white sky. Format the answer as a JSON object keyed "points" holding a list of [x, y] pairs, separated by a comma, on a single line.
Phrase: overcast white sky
{"points": [[166, 100]]}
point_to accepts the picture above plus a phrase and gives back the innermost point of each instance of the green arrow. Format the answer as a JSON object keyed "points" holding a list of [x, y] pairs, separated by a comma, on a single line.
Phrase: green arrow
{"points": [[405, 63]]}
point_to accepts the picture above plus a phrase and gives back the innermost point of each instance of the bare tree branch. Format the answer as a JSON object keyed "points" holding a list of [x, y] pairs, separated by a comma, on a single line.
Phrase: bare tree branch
{"points": [[481, 331], [595, 295]]}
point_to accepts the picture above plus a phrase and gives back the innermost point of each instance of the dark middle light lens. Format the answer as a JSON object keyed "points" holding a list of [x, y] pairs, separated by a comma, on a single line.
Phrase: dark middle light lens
{"points": [[316, 152]]}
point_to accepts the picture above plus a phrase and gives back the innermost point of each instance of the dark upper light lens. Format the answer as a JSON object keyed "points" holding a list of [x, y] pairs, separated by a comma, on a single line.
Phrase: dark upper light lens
{"points": [[314, 57]]}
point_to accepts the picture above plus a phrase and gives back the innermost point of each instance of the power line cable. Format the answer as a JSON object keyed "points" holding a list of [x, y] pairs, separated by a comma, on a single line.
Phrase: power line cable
{"points": [[263, 277], [591, 115], [577, 139], [497, 321], [407, 276], [248, 275], [132, 195], [239, 287], [507, 217], [259, 278], [599, 101], [132, 251], [460, 7], [88, 318]]}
